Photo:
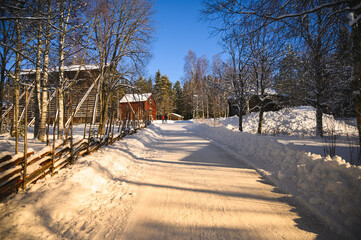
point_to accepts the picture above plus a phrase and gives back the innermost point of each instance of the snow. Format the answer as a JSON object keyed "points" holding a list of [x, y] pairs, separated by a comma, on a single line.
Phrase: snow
{"points": [[299, 121], [297, 127], [70, 68], [64, 206], [83, 201], [177, 115], [135, 97]]}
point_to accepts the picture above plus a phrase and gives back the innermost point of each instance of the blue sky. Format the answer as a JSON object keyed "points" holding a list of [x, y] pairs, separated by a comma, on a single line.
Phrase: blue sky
{"points": [[179, 29]]}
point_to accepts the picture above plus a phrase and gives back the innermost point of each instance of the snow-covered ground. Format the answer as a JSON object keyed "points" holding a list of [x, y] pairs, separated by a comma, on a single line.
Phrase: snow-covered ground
{"points": [[297, 127]]}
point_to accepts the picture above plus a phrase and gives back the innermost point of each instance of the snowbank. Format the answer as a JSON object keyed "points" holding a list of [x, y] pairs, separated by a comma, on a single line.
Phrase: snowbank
{"points": [[299, 121], [82, 201], [331, 187]]}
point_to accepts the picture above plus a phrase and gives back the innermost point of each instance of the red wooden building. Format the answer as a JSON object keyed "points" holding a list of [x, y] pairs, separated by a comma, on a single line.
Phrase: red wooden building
{"points": [[142, 105]]}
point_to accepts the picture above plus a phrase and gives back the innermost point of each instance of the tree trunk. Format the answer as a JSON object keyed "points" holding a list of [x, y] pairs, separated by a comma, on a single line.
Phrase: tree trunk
{"points": [[240, 115], [15, 130], [104, 110], [60, 83], [319, 127], [5, 53], [2, 82], [260, 119], [356, 85], [37, 96], [44, 108], [240, 120]]}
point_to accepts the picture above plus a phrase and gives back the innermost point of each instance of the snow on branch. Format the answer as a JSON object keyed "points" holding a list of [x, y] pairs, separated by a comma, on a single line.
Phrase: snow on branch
{"points": [[312, 10]]}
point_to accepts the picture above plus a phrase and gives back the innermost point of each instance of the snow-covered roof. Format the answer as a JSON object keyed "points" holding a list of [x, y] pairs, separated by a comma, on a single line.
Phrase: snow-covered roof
{"points": [[177, 115], [136, 97], [70, 68]]}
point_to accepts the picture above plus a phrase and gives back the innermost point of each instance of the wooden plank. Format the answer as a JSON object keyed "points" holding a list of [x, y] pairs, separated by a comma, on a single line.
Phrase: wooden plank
{"points": [[5, 158], [41, 176], [39, 157], [76, 152], [63, 163], [62, 151], [10, 187], [46, 165], [47, 153], [45, 160], [15, 162], [81, 153], [7, 177]]}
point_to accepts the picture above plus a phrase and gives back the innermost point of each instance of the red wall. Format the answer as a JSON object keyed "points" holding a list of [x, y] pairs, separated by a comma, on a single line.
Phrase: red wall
{"points": [[145, 106]]}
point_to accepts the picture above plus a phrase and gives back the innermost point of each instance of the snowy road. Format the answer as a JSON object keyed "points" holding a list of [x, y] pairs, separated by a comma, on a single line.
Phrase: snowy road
{"points": [[196, 190], [163, 183]]}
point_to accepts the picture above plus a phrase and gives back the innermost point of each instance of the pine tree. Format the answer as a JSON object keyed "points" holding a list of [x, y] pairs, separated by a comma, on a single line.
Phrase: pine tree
{"points": [[143, 85], [178, 95], [289, 80], [163, 94]]}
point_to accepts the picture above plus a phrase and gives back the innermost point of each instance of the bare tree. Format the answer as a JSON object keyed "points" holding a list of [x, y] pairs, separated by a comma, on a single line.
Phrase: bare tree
{"points": [[264, 55], [122, 34], [312, 21], [317, 20], [190, 61]]}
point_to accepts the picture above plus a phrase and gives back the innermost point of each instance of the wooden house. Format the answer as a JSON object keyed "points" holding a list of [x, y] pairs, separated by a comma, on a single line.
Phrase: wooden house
{"points": [[174, 116], [138, 106], [78, 80]]}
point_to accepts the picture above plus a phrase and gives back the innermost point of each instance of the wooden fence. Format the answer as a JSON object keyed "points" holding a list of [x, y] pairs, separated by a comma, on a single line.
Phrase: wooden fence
{"points": [[19, 170]]}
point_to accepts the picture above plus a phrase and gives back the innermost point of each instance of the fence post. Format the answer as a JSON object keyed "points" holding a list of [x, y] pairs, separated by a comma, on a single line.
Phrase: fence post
{"points": [[25, 137], [86, 116], [54, 128], [71, 133], [49, 113]]}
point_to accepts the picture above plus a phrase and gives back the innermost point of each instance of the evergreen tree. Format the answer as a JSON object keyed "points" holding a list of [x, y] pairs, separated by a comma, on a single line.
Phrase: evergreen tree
{"points": [[178, 95], [143, 85], [289, 81], [187, 104], [163, 94]]}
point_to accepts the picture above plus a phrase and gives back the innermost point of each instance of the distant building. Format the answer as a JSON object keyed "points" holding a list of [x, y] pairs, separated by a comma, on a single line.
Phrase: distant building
{"points": [[143, 105], [174, 116]]}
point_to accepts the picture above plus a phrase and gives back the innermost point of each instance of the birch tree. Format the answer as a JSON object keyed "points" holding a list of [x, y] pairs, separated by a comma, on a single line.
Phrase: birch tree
{"points": [[45, 76], [37, 102]]}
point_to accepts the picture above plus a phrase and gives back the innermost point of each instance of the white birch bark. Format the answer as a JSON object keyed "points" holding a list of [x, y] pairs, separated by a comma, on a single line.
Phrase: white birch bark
{"points": [[44, 108]]}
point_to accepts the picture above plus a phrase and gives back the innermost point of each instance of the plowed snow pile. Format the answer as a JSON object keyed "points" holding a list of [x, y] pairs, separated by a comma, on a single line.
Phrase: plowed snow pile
{"points": [[299, 121]]}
